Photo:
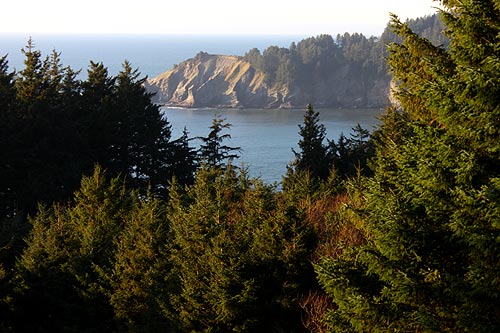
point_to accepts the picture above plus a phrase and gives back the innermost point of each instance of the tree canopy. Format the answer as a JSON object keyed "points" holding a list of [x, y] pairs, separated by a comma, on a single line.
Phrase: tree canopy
{"points": [[431, 213], [391, 231]]}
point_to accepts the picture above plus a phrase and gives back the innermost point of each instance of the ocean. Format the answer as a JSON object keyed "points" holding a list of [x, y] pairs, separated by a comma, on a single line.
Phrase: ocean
{"points": [[152, 54], [266, 137]]}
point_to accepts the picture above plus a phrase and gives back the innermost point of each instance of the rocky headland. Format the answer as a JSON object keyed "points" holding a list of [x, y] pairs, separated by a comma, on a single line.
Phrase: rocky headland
{"points": [[225, 81], [348, 71]]}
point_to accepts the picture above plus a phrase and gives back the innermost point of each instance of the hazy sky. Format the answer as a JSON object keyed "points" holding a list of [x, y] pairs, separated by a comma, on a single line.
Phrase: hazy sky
{"points": [[304, 17]]}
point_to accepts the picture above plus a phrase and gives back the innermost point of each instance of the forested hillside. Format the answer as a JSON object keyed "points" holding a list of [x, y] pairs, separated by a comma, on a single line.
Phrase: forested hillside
{"points": [[397, 230], [346, 71]]}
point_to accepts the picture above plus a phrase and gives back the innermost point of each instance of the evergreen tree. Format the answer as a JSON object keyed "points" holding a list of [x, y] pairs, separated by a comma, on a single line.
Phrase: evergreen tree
{"points": [[432, 207], [7, 91], [31, 82], [240, 254], [8, 129], [212, 150], [97, 124], [98, 264], [350, 156], [41, 139], [313, 153], [68, 252], [140, 280], [185, 159], [141, 147]]}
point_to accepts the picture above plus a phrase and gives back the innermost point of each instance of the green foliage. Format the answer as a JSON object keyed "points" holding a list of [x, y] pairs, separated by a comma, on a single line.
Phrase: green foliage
{"points": [[430, 262], [97, 264], [313, 154], [56, 127], [411, 247], [334, 162], [241, 256], [212, 150], [140, 278]]}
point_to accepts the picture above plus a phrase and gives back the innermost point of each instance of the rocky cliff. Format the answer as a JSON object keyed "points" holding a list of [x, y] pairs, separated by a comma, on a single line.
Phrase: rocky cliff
{"points": [[231, 82]]}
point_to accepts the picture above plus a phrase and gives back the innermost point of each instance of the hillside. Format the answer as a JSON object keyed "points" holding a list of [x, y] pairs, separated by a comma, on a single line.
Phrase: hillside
{"points": [[230, 81], [214, 81], [349, 71]]}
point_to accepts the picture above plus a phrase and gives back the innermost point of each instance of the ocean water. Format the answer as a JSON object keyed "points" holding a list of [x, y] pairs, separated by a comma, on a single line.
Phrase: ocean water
{"points": [[266, 137], [152, 54]]}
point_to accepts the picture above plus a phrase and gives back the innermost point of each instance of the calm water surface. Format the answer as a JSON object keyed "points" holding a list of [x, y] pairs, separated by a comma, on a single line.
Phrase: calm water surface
{"points": [[267, 136]]}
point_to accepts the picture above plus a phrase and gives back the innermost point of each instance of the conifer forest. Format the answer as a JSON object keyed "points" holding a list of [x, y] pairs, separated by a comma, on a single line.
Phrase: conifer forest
{"points": [[108, 223]]}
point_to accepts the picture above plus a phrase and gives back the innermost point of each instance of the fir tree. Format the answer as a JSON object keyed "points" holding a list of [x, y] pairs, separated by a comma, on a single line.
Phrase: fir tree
{"points": [[184, 160], [7, 91], [212, 150], [97, 264], [313, 153], [31, 82], [8, 130], [97, 124], [141, 147], [240, 254], [350, 156], [432, 207]]}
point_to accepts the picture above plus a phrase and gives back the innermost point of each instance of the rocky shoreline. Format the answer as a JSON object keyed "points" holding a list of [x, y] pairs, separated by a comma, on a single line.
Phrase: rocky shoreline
{"points": [[224, 81]]}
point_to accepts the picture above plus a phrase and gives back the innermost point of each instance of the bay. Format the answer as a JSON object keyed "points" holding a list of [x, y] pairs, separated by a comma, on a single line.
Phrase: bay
{"points": [[267, 137]]}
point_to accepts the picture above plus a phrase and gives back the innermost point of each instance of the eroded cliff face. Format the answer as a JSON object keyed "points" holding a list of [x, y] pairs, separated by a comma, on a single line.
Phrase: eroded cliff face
{"points": [[231, 82], [211, 81]]}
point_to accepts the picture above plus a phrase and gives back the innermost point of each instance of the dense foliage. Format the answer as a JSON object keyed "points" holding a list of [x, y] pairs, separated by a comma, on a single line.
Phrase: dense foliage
{"points": [[352, 67], [394, 231], [431, 211], [56, 128], [160, 237]]}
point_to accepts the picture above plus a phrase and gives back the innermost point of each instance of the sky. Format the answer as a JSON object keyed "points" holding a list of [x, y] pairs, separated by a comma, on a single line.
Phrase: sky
{"points": [[306, 17]]}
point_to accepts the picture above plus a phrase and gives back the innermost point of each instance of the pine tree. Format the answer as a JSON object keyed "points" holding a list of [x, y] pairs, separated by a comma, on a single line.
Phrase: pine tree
{"points": [[240, 254], [141, 146], [42, 140], [68, 253], [96, 264], [98, 125], [350, 156], [7, 91], [212, 150], [31, 82], [8, 129], [313, 153], [184, 160], [432, 258], [140, 278]]}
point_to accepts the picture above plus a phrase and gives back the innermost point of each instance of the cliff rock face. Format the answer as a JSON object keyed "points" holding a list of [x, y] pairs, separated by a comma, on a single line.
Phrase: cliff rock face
{"points": [[211, 81], [231, 82]]}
